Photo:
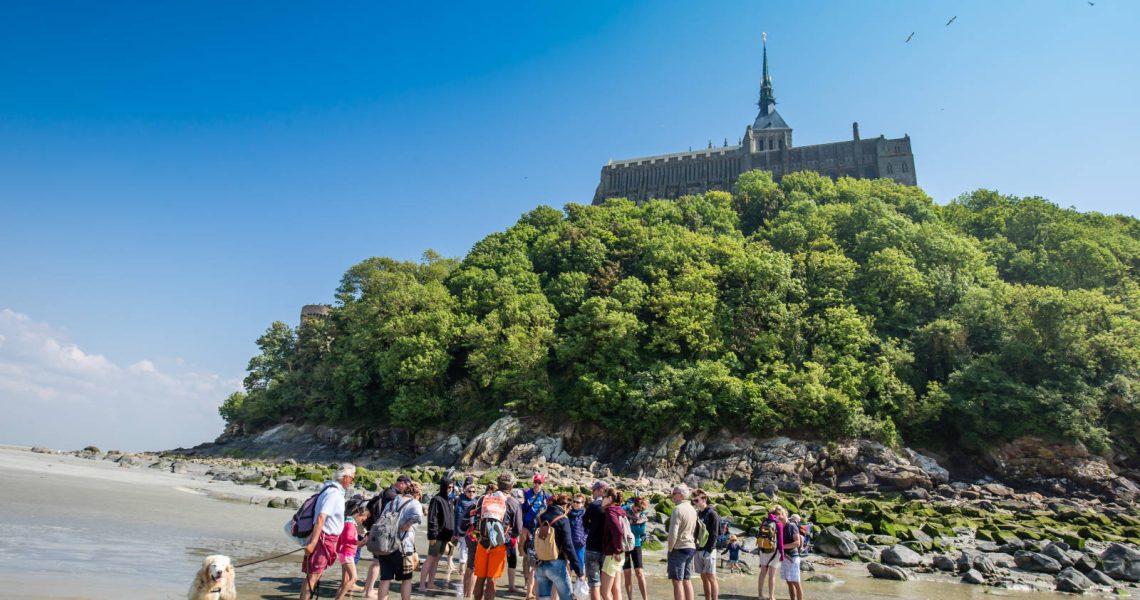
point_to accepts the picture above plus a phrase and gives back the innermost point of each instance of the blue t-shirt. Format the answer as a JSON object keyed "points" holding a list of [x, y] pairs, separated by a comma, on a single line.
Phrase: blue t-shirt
{"points": [[734, 551], [533, 504]]}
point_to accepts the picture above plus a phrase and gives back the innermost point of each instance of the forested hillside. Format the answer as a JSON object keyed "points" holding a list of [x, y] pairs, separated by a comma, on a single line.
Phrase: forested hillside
{"points": [[854, 308]]}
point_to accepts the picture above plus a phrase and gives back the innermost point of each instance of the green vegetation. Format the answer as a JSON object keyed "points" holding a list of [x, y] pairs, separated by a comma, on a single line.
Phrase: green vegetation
{"points": [[837, 309]]}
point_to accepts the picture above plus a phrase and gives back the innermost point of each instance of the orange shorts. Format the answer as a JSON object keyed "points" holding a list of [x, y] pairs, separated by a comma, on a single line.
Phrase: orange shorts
{"points": [[490, 563]]}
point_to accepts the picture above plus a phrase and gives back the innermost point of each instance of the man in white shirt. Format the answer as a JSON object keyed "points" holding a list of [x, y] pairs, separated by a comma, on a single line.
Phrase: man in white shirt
{"points": [[320, 551]]}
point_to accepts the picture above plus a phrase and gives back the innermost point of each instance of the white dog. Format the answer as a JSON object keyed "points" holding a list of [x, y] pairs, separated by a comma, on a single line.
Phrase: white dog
{"points": [[215, 580]]}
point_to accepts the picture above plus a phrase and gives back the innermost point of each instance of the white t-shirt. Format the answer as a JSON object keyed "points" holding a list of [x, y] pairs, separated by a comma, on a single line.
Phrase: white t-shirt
{"points": [[331, 504]]}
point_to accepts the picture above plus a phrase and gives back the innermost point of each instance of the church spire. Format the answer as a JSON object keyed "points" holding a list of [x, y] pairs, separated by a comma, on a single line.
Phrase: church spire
{"points": [[767, 100]]}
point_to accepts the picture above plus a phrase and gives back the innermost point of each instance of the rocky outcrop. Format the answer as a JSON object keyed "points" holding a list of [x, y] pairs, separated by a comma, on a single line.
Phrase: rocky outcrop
{"points": [[1059, 468], [738, 462], [742, 463]]}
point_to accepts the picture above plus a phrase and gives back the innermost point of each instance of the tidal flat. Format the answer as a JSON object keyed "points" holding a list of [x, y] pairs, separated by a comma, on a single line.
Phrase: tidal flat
{"points": [[78, 528]]}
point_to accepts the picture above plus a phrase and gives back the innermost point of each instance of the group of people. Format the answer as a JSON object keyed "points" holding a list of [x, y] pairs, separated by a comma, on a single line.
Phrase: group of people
{"points": [[595, 541]]}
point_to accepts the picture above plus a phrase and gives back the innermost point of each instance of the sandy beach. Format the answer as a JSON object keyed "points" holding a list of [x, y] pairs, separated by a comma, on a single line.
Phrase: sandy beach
{"points": [[76, 528]]}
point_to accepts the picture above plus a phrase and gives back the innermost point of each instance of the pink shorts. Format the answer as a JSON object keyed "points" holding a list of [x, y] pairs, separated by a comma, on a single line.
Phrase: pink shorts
{"points": [[323, 557], [346, 554]]}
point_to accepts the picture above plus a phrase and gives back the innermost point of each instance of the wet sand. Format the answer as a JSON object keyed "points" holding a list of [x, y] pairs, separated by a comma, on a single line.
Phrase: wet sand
{"points": [[73, 528]]}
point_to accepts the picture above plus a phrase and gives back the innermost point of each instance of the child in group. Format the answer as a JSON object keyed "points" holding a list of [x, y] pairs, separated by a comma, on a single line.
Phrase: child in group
{"points": [[355, 512], [734, 563]]}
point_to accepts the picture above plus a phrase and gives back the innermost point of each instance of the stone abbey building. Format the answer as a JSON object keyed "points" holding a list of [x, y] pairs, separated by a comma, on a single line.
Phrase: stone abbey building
{"points": [[767, 145]]}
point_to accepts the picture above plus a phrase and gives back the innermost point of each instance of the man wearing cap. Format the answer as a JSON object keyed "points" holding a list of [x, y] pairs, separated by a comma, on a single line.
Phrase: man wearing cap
{"points": [[534, 503], [594, 520], [682, 544]]}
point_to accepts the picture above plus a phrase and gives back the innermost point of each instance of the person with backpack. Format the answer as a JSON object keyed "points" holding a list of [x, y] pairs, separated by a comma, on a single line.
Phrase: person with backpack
{"points": [[392, 541], [638, 513], [555, 556], [376, 506], [594, 520], [767, 547], [681, 544], [441, 528], [790, 558], [498, 517], [534, 502], [328, 524], [617, 539], [463, 507], [704, 561]]}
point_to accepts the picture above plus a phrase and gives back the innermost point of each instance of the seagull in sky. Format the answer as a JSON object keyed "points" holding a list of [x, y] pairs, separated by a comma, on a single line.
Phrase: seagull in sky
{"points": [[908, 38], [951, 20]]}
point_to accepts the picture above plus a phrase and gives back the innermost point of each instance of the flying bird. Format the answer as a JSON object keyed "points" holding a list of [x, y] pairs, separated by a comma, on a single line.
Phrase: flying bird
{"points": [[951, 20], [1092, 3], [908, 38]]}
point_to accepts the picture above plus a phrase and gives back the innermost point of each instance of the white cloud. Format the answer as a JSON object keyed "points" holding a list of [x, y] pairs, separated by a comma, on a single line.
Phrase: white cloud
{"points": [[53, 393]]}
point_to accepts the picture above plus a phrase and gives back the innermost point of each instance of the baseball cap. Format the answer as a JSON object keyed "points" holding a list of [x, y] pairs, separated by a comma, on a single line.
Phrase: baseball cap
{"points": [[539, 478], [403, 479], [600, 485]]}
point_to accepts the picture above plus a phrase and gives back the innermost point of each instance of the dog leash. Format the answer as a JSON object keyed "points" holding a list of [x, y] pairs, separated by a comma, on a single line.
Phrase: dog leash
{"points": [[261, 560]]}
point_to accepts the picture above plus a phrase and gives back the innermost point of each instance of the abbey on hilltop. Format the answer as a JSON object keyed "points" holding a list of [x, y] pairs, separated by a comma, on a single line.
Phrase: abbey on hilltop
{"points": [[767, 145]]}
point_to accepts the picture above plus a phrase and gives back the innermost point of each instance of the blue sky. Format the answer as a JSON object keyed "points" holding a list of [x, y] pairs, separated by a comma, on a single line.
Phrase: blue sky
{"points": [[175, 178]]}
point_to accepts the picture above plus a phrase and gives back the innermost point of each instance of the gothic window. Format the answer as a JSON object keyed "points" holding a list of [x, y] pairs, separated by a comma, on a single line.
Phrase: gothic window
{"points": [[890, 169], [904, 167]]}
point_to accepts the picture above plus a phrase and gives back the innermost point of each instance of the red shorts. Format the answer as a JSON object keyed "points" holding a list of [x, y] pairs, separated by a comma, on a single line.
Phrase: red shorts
{"points": [[490, 563], [323, 557]]}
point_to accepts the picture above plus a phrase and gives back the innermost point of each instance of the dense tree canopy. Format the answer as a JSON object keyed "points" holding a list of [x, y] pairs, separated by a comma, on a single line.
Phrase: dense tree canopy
{"points": [[807, 307]]}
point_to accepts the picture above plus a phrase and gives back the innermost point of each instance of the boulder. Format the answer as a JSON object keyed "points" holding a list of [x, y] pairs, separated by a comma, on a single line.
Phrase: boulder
{"points": [[1098, 577], [835, 543], [901, 556], [824, 578], [973, 577], [1058, 554], [879, 571], [1085, 564], [1072, 580], [1121, 562], [945, 563], [287, 485], [972, 559], [1036, 562]]}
